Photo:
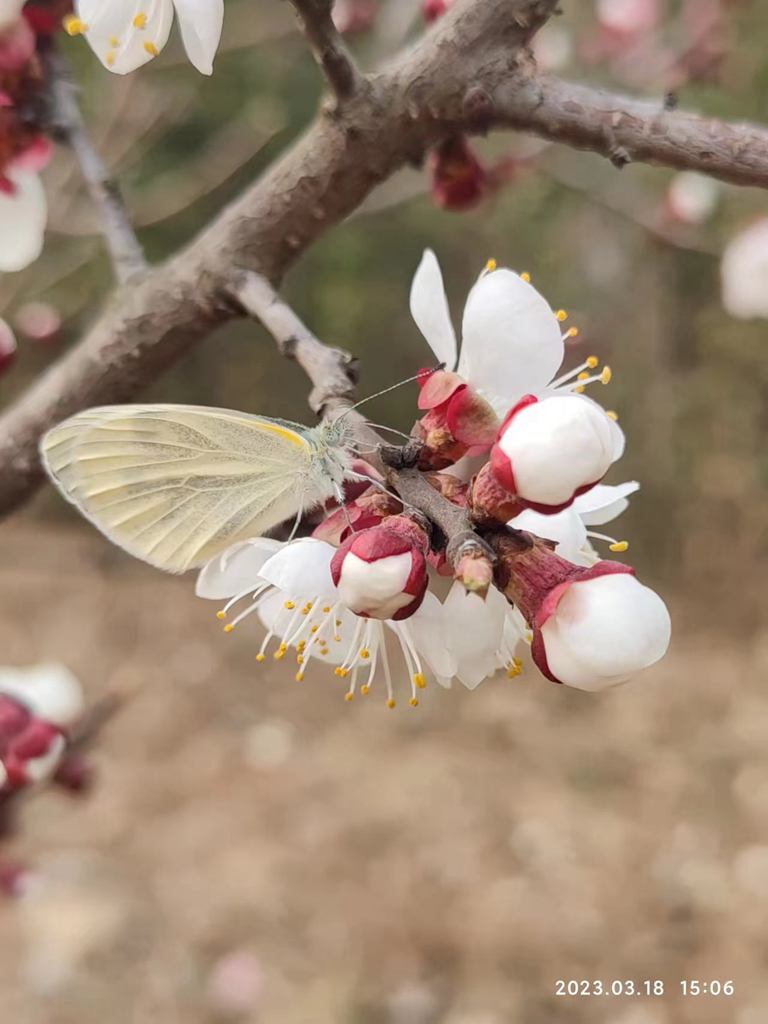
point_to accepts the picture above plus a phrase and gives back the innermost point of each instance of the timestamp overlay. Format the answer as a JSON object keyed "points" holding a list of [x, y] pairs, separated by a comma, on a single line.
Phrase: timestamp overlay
{"points": [[649, 987]]}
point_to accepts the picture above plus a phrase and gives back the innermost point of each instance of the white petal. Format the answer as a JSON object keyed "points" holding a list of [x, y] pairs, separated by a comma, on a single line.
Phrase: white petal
{"points": [[512, 343], [428, 629], [475, 629], [744, 272], [556, 446], [49, 690], [22, 221], [429, 309], [200, 22], [604, 630], [302, 569], [604, 502], [565, 528], [114, 36], [236, 569]]}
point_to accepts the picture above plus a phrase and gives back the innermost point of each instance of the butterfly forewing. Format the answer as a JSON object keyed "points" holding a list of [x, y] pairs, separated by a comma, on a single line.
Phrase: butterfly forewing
{"points": [[175, 484]]}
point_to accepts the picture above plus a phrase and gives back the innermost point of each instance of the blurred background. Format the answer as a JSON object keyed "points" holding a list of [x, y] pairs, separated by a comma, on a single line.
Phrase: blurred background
{"points": [[256, 849]]}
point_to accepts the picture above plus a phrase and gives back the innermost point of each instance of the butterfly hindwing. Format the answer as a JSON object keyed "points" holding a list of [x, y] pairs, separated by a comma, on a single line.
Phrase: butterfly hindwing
{"points": [[176, 484]]}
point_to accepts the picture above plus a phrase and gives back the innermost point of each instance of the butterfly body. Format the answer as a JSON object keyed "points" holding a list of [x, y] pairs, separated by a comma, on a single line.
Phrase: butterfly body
{"points": [[176, 484]]}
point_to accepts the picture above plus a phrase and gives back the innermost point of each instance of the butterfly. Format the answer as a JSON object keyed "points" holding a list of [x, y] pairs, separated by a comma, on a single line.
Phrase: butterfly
{"points": [[175, 485]]}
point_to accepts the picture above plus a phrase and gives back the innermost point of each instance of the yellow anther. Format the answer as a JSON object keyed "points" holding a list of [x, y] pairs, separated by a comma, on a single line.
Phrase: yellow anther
{"points": [[414, 702], [517, 663], [391, 703], [114, 41], [337, 639], [299, 659], [260, 656], [73, 25], [491, 265], [229, 627], [529, 635], [283, 647], [420, 681], [324, 650], [327, 608], [338, 622], [314, 630], [151, 49], [300, 646], [572, 332], [342, 673], [289, 605], [620, 545], [612, 415], [365, 653], [592, 362], [365, 689], [583, 375], [348, 697], [278, 655], [299, 677], [110, 59], [525, 276], [580, 389], [605, 375], [140, 21], [221, 614], [561, 315]]}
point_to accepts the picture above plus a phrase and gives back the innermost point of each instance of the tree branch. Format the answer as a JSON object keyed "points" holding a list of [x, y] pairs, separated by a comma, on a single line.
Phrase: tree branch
{"points": [[332, 371], [328, 47], [124, 249], [627, 130], [470, 73]]}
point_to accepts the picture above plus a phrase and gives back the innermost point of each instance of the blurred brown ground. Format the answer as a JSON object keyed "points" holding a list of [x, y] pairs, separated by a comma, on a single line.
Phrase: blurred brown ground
{"points": [[445, 864]]}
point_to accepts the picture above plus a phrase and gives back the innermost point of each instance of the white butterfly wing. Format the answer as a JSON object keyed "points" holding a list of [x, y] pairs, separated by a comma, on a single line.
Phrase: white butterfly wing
{"points": [[176, 484]]}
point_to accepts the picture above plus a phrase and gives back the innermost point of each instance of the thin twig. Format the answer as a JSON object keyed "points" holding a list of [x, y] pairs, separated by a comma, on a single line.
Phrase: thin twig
{"points": [[332, 371], [328, 47], [125, 251]]}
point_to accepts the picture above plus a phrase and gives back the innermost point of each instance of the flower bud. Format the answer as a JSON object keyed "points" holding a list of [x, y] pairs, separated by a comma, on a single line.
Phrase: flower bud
{"points": [[549, 451], [30, 748], [381, 573], [459, 180], [434, 9], [592, 627]]}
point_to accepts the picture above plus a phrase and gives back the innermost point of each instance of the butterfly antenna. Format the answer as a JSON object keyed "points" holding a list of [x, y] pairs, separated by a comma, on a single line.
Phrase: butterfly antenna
{"points": [[393, 387]]}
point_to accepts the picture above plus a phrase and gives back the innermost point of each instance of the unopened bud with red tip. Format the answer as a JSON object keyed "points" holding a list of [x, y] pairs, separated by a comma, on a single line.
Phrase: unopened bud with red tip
{"points": [[550, 450], [475, 572], [381, 573], [434, 9], [459, 179], [594, 627], [30, 748]]}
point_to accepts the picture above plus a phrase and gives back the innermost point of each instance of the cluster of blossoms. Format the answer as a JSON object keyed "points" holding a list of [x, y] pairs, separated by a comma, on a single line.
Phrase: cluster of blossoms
{"points": [[522, 449]]}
